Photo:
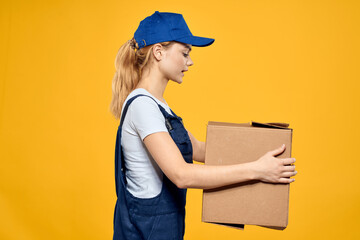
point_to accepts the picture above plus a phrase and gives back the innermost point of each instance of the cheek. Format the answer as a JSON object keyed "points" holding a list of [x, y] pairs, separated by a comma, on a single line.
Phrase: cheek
{"points": [[180, 62], [176, 64], [168, 68]]}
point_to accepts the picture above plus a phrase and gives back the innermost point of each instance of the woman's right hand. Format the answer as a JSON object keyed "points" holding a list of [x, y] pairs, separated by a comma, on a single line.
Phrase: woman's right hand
{"points": [[270, 169]]}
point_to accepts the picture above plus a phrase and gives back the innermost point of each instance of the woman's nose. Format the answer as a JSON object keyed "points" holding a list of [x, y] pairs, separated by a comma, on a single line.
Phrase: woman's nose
{"points": [[190, 62]]}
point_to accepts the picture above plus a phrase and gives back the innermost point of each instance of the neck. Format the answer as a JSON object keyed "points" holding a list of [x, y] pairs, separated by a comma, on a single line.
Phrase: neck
{"points": [[154, 84]]}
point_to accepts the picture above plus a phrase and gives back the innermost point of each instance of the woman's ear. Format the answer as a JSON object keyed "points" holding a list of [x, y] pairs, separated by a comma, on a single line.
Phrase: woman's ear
{"points": [[158, 51]]}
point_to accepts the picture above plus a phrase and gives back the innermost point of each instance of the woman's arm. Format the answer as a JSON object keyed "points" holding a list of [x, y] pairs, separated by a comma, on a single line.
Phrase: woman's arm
{"points": [[167, 155], [198, 148]]}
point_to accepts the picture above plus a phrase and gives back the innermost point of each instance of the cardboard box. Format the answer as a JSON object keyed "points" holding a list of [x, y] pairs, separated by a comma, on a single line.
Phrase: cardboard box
{"points": [[253, 202]]}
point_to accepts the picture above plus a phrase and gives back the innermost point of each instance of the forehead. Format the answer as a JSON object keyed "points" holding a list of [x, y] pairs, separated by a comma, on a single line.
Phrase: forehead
{"points": [[183, 45]]}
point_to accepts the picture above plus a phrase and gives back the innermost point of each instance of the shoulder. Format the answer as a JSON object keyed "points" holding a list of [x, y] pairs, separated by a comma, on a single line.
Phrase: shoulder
{"points": [[144, 103], [144, 110], [146, 117]]}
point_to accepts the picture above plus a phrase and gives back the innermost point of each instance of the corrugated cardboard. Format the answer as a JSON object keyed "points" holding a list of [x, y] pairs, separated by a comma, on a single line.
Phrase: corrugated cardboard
{"points": [[254, 203]]}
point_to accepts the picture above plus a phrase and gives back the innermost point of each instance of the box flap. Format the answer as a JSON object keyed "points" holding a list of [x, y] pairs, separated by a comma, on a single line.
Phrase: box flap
{"points": [[270, 125], [229, 124]]}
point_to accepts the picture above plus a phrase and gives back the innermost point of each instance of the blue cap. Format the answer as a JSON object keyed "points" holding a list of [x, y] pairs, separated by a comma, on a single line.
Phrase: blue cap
{"points": [[166, 26]]}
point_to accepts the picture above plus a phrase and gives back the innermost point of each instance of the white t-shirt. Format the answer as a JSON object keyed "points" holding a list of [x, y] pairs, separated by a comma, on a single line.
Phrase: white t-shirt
{"points": [[143, 175]]}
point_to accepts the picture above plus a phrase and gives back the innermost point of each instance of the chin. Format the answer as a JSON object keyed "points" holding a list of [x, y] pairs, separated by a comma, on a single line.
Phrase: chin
{"points": [[179, 81]]}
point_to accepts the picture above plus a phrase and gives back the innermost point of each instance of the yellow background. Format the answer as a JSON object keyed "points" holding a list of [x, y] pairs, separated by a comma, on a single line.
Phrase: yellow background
{"points": [[286, 61]]}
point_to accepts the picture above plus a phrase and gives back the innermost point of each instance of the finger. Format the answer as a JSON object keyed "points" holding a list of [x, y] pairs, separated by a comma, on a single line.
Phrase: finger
{"points": [[288, 161], [288, 174], [286, 180], [277, 151], [290, 168]]}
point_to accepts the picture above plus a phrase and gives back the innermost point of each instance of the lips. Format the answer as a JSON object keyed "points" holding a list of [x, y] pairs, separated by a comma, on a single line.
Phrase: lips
{"points": [[183, 71]]}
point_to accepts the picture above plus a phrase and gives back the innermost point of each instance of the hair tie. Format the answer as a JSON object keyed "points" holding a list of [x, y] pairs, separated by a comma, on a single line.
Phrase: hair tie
{"points": [[133, 44]]}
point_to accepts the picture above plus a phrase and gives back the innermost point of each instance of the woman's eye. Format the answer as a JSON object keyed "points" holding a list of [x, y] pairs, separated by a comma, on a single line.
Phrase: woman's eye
{"points": [[186, 55]]}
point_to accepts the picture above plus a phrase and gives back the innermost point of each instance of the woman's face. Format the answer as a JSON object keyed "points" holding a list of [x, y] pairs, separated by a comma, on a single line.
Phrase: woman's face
{"points": [[176, 61]]}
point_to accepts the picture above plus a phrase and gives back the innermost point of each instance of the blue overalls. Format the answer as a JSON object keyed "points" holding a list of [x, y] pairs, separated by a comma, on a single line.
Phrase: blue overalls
{"points": [[163, 216]]}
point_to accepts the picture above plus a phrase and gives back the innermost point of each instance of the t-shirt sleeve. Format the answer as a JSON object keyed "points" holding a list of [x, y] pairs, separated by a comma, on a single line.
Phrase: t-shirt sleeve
{"points": [[146, 117]]}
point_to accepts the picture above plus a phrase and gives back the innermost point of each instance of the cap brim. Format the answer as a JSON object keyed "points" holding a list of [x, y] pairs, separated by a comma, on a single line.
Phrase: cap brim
{"points": [[196, 41]]}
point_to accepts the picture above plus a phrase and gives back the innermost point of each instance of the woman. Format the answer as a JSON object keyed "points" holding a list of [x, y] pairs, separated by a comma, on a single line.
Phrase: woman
{"points": [[154, 151]]}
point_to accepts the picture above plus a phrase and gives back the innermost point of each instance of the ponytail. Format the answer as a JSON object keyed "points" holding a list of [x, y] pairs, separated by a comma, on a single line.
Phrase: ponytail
{"points": [[129, 62]]}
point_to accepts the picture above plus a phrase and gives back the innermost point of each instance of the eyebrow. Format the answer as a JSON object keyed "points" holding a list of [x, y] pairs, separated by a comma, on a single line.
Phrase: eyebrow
{"points": [[188, 47]]}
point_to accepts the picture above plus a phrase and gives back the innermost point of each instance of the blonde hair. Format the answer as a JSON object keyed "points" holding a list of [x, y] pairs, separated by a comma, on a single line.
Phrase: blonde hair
{"points": [[129, 63]]}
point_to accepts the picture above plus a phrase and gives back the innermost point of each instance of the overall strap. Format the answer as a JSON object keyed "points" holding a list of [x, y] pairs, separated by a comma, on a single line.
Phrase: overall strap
{"points": [[128, 104], [119, 159]]}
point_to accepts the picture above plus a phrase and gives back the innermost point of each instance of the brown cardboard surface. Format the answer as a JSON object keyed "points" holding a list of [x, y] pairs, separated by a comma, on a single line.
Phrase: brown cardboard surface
{"points": [[255, 202]]}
